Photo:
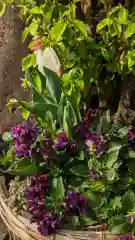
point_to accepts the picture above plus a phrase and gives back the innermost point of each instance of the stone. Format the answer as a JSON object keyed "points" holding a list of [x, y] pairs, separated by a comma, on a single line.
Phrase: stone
{"points": [[11, 53]]}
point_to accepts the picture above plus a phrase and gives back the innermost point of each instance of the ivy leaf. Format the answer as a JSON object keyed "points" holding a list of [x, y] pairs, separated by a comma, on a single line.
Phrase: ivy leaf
{"points": [[81, 27], [58, 30], [80, 170], [130, 30]]}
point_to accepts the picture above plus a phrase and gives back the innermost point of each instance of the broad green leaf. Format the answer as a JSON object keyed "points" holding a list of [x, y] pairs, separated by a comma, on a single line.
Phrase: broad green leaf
{"points": [[128, 201], [37, 10], [58, 30], [131, 154], [130, 30], [7, 137], [116, 203], [28, 61], [123, 16], [33, 28], [25, 166], [61, 106], [40, 109], [111, 174], [53, 85], [122, 132], [103, 24], [97, 186], [95, 199], [80, 170], [58, 189], [118, 224], [112, 158], [81, 27], [25, 34], [114, 10]]}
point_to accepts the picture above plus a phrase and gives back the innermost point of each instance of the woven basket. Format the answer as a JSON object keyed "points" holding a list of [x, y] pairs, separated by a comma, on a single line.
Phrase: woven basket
{"points": [[20, 228]]}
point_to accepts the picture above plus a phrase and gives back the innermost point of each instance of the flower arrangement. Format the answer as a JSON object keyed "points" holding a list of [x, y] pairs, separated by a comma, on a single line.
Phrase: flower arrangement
{"points": [[76, 169]]}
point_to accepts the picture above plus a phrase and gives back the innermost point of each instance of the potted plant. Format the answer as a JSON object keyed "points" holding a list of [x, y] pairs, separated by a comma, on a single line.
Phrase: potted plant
{"points": [[75, 171]]}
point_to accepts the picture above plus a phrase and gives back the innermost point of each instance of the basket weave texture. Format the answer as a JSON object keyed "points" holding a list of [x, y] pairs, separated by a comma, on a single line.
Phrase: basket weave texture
{"points": [[20, 228]]}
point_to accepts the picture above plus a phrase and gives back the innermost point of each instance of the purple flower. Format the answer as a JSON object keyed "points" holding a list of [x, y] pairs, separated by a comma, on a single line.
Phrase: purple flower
{"points": [[35, 195], [23, 136], [48, 224], [131, 137], [62, 142], [126, 238], [95, 143], [75, 203]]}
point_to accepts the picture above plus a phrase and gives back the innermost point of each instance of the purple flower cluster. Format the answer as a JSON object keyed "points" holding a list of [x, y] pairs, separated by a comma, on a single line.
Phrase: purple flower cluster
{"points": [[131, 137], [122, 2], [23, 136], [75, 203], [35, 196], [95, 143]]}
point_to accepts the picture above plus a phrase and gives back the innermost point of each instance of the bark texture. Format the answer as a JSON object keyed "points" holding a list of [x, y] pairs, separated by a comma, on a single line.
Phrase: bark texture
{"points": [[11, 53]]}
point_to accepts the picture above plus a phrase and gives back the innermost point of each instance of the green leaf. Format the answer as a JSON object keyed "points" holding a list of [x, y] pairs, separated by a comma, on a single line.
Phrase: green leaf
{"points": [[122, 132], [28, 61], [81, 27], [53, 85], [58, 189], [131, 154], [118, 224], [37, 10], [2, 8], [86, 221], [130, 30], [116, 203], [103, 24], [33, 28], [111, 174], [112, 156], [123, 16], [25, 34], [128, 201], [58, 30], [80, 170], [25, 167], [7, 137], [95, 199], [40, 109]]}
